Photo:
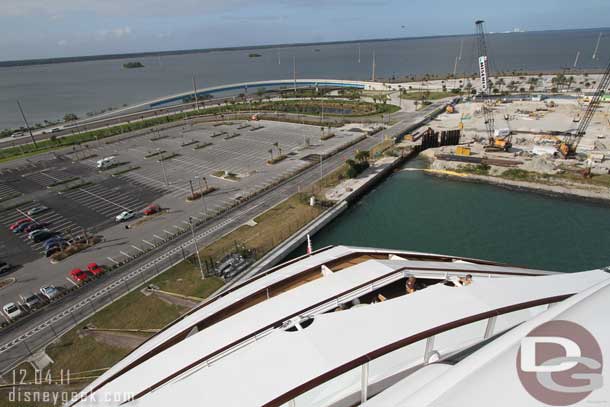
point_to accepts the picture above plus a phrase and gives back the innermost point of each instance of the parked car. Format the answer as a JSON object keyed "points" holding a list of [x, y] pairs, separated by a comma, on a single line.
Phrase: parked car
{"points": [[19, 222], [32, 302], [78, 275], [50, 292], [51, 250], [151, 209], [37, 232], [41, 237], [53, 241], [125, 215], [95, 269], [12, 311], [5, 267], [35, 226], [21, 227], [37, 209]]}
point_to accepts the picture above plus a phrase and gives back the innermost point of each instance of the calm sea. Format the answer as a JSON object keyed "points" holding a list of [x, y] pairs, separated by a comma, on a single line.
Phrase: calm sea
{"points": [[49, 91], [415, 211]]}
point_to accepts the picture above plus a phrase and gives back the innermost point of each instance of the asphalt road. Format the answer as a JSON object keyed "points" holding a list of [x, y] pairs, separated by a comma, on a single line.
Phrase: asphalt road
{"points": [[38, 329]]}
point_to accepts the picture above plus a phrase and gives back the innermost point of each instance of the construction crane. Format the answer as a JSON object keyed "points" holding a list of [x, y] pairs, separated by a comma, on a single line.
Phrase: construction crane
{"points": [[494, 143], [571, 139]]}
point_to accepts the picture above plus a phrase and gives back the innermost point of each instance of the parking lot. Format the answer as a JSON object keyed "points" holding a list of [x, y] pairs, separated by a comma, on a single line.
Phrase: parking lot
{"points": [[160, 167]]}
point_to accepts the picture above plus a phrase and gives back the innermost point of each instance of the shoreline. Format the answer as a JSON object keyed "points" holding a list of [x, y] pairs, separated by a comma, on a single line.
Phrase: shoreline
{"points": [[555, 191]]}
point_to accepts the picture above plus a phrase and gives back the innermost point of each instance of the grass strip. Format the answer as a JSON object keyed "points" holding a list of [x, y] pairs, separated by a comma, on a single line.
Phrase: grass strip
{"points": [[155, 153], [126, 170], [200, 146]]}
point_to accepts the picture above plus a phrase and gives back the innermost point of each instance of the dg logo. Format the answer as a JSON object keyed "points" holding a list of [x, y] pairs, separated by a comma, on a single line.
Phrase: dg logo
{"points": [[560, 363]]}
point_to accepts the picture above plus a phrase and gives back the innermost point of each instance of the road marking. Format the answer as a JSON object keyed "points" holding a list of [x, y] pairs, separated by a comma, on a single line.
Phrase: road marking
{"points": [[148, 243], [124, 254], [101, 197], [137, 248], [177, 227], [169, 233], [70, 281], [158, 237], [112, 260]]}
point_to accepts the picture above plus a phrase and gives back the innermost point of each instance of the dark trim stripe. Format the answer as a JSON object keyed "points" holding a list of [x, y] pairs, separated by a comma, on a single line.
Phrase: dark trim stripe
{"points": [[276, 323], [184, 333], [323, 378]]}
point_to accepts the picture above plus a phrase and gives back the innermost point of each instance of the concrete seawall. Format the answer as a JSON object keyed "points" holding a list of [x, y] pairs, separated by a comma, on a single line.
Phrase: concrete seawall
{"points": [[298, 238]]}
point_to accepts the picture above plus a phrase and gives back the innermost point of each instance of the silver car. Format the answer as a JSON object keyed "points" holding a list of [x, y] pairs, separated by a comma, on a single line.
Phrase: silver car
{"points": [[37, 209], [50, 292]]}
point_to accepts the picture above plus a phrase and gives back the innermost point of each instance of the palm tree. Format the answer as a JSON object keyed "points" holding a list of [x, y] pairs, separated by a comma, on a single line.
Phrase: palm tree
{"points": [[362, 155]]}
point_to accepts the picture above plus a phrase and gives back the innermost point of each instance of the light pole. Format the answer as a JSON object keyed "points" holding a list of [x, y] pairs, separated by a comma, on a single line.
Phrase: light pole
{"points": [[196, 248], [205, 208], [27, 126], [163, 168]]}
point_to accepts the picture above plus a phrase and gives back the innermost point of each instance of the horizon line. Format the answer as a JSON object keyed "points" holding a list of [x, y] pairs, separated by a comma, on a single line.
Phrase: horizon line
{"points": [[79, 58]]}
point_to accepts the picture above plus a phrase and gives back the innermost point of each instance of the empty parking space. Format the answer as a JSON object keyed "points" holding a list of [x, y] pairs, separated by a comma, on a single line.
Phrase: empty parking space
{"points": [[49, 177], [106, 201], [7, 192]]}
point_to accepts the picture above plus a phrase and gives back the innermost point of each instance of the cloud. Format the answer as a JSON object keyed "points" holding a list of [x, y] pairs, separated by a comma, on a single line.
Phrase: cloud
{"points": [[117, 33], [62, 43], [117, 8]]}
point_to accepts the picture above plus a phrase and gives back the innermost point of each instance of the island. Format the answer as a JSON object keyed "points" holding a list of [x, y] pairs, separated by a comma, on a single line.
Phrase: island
{"points": [[132, 65], [253, 55]]}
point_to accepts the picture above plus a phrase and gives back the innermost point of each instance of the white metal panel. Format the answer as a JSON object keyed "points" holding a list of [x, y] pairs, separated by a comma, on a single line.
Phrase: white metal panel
{"points": [[281, 361]]}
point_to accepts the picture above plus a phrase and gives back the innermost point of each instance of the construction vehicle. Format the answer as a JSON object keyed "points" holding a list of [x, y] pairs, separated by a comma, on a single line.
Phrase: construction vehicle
{"points": [[494, 143], [571, 139]]}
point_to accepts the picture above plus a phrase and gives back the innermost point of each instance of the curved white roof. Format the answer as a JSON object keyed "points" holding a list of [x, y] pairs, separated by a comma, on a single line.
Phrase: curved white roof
{"points": [[262, 372], [241, 358], [479, 379], [138, 370]]}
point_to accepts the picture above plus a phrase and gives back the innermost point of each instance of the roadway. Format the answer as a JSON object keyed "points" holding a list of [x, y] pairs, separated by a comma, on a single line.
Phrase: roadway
{"points": [[152, 108], [35, 331]]}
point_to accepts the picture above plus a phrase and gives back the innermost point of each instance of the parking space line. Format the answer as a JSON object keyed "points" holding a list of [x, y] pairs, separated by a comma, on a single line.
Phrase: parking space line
{"points": [[101, 197], [124, 254], [148, 243], [158, 237], [137, 248]]}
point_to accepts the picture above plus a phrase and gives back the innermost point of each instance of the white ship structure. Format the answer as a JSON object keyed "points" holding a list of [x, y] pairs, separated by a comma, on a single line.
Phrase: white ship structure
{"points": [[348, 326]]}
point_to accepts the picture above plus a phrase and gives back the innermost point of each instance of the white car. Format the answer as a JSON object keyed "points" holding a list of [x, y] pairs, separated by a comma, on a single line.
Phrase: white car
{"points": [[37, 209], [12, 311], [125, 215], [49, 291]]}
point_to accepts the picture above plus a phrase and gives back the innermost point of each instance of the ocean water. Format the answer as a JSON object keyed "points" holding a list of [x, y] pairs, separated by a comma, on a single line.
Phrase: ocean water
{"points": [[415, 211], [48, 92]]}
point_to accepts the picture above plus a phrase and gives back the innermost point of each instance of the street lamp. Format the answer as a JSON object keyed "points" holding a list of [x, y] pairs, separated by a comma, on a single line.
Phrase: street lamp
{"points": [[196, 248], [163, 167], [205, 208]]}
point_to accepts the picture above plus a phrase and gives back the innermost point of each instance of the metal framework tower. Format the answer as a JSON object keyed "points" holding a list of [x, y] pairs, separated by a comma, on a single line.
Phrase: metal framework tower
{"points": [[483, 62], [482, 56]]}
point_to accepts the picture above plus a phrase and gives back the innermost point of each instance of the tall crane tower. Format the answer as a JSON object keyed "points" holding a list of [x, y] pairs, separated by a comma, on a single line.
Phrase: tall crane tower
{"points": [[571, 139], [483, 59], [483, 62]]}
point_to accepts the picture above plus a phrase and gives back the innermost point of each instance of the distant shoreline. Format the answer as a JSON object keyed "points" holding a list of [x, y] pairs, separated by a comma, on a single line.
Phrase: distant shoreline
{"points": [[86, 58]]}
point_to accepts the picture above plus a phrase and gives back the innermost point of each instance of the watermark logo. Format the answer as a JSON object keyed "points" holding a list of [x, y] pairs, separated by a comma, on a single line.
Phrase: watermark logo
{"points": [[560, 363]]}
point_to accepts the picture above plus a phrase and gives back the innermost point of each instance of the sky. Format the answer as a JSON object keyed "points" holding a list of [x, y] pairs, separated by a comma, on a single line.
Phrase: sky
{"points": [[60, 28]]}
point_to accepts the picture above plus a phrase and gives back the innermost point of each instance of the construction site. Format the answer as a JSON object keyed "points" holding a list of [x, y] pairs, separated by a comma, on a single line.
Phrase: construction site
{"points": [[554, 141]]}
